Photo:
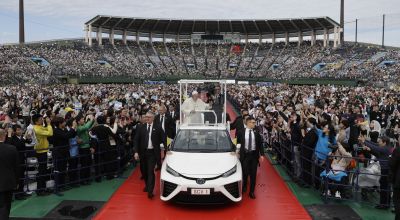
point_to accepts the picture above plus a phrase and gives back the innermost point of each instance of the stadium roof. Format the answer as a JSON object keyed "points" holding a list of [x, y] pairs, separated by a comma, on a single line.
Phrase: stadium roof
{"points": [[201, 26]]}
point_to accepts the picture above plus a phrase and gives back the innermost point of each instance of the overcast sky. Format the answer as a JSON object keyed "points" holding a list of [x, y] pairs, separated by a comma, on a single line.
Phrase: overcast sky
{"points": [[57, 19]]}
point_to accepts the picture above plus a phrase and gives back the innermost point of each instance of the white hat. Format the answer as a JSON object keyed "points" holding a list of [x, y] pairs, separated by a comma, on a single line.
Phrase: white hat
{"points": [[195, 92]]}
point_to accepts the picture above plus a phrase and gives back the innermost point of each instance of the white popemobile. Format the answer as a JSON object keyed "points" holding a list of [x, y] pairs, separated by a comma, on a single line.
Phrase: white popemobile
{"points": [[201, 165]]}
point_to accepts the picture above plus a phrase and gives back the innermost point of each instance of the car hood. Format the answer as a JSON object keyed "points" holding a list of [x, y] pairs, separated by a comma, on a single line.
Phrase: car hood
{"points": [[198, 164]]}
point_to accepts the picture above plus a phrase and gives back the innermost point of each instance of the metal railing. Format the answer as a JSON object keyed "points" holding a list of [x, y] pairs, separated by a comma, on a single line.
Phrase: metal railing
{"points": [[67, 169], [354, 183]]}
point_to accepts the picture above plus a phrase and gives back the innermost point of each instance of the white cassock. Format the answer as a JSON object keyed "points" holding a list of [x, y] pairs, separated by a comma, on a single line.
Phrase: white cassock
{"points": [[190, 105]]}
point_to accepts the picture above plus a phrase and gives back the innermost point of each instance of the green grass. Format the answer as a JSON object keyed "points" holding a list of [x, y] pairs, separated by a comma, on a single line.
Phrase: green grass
{"points": [[38, 207]]}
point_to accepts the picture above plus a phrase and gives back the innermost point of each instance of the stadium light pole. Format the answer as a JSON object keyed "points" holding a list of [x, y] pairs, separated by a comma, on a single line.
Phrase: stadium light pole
{"points": [[356, 31], [21, 22], [383, 30], [342, 21]]}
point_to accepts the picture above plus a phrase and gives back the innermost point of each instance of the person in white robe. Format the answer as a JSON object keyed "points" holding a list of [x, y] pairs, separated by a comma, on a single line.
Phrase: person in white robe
{"points": [[190, 106]]}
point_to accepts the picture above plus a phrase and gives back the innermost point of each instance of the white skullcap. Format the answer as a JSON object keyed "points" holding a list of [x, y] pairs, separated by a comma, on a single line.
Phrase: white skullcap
{"points": [[195, 92]]}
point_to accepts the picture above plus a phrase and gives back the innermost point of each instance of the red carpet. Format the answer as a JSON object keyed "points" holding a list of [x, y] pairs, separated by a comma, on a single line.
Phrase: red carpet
{"points": [[274, 201]]}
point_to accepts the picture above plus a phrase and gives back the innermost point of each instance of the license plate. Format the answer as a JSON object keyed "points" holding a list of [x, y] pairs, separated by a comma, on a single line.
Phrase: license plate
{"points": [[200, 191]]}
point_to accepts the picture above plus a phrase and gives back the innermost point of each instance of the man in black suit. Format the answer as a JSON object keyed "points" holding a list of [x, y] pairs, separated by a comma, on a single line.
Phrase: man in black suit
{"points": [[175, 117], [148, 143], [9, 174], [386, 107], [16, 139], [142, 122], [239, 122], [307, 150], [394, 164], [164, 121], [251, 153], [61, 154], [101, 147]]}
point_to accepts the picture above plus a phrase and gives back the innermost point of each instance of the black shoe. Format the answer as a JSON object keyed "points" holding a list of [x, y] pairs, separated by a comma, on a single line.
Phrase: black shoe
{"points": [[85, 183], [24, 195], [63, 189], [252, 196], [20, 197], [150, 195], [98, 179], [144, 189], [384, 207], [43, 193], [59, 194], [110, 177]]}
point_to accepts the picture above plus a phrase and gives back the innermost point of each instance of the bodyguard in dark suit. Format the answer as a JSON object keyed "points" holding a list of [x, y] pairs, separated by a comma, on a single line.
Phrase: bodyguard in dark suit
{"points": [[143, 122], [148, 141], [175, 117], [9, 174], [238, 124], [164, 121], [16, 139], [250, 152]]}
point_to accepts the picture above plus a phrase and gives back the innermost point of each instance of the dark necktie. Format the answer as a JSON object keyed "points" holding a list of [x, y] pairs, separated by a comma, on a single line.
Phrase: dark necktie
{"points": [[250, 141]]}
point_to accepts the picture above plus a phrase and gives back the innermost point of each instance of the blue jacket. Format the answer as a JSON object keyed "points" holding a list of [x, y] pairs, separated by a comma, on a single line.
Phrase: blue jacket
{"points": [[322, 149]]}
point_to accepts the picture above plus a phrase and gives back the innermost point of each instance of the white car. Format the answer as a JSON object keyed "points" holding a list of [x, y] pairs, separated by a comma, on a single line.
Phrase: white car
{"points": [[201, 167]]}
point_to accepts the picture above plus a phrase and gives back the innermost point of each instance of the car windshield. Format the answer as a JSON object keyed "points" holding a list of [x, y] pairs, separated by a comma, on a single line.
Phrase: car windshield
{"points": [[203, 141]]}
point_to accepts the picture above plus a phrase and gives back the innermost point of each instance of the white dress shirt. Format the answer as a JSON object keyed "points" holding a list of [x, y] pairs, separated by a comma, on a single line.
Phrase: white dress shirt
{"points": [[253, 140], [162, 119], [150, 144]]}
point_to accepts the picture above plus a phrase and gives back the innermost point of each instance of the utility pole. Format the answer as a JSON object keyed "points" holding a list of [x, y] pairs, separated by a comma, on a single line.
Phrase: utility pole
{"points": [[21, 22], [342, 21]]}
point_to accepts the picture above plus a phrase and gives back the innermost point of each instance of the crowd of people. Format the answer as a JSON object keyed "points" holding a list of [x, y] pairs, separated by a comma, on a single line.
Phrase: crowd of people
{"points": [[320, 133], [77, 134], [145, 59]]}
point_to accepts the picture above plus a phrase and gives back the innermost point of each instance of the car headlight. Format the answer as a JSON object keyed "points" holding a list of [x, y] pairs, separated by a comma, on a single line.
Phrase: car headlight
{"points": [[172, 171], [230, 172]]}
